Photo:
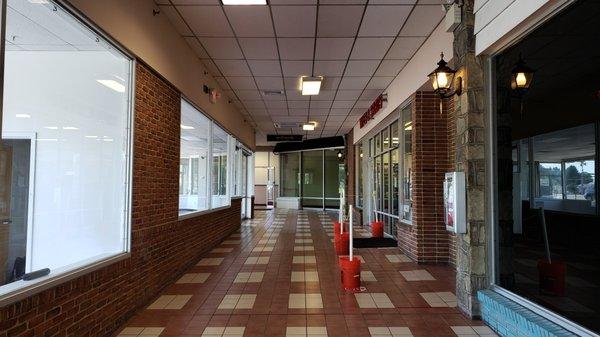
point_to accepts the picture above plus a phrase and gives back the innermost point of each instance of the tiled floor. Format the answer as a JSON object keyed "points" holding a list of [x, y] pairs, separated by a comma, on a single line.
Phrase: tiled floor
{"points": [[278, 276]]}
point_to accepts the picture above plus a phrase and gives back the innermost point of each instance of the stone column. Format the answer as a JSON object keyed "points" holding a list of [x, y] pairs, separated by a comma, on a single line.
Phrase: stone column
{"points": [[471, 250]]}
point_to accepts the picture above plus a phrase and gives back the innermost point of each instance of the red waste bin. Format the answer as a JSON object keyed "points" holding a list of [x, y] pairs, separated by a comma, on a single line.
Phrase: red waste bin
{"points": [[342, 244], [350, 273], [377, 229], [552, 277]]}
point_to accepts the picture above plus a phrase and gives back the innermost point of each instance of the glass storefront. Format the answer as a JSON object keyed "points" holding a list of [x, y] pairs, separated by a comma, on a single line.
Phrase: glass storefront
{"points": [[314, 176]]}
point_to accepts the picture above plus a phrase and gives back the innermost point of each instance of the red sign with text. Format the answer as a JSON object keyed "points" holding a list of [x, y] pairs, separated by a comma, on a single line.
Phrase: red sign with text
{"points": [[373, 110]]}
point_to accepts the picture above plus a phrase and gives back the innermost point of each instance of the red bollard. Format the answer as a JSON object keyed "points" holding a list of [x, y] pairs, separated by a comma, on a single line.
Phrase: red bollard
{"points": [[350, 273], [342, 244], [377, 229]]}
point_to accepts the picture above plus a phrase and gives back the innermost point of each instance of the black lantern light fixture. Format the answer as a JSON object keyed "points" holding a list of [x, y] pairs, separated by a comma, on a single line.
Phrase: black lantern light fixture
{"points": [[442, 79], [340, 154], [521, 77]]}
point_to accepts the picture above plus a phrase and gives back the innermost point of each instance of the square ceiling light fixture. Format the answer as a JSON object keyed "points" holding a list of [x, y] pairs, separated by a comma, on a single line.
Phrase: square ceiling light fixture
{"points": [[311, 85], [243, 2], [309, 126]]}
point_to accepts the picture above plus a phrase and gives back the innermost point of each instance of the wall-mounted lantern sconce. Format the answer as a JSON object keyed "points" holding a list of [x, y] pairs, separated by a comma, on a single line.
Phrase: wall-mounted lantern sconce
{"points": [[442, 79], [340, 154], [521, 77]]}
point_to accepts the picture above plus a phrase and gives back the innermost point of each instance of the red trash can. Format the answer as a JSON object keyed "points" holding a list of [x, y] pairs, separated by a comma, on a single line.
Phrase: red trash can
{"points": [[377, 229], [342, 244], [350, 273], [552, 277]]}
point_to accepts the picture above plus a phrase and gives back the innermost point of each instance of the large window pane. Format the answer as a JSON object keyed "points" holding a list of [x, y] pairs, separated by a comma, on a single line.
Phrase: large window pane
{"points": [[194, 158], [407, 164], [395, 181], [312, 178], [66, 122], [386, 182], [220, 150], [359, 175], [290, 174]]}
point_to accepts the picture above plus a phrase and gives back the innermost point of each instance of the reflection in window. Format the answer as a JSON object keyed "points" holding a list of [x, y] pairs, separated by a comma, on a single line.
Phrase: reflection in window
{"points": [[193, 163], [220, 150], [359, 174], [65, 122], [290, 174], [407, 163]]}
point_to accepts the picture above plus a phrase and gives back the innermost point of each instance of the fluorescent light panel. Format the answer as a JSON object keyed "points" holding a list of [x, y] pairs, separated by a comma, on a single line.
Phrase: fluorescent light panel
{"points": [[308, 126], [311, 85], [244, 2]]}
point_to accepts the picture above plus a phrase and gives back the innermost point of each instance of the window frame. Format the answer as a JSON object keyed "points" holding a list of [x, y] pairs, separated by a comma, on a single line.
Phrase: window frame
{"points": [[19, 290]]}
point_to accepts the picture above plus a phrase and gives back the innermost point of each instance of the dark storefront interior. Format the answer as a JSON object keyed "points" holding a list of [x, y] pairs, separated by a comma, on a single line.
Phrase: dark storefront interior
{"points": [[547, 145]]}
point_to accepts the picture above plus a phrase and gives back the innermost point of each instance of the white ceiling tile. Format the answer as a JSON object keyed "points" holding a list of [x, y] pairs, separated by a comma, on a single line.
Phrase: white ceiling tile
{"points": [[363, 104], [259, 48], [324, 95], [296, 48], [196, 47], [250, 21], [222, 83], [404, 48], [211, 67], [294, 21], [370, 48], [265, 67], [255, 105], [296, 95], [296, 68], [383, 20], [354, 83], [293, 2], [206, 20], [329, 68], [343, 2], [291, 83], [296, 112], [269, 83], [233, 67], [357, 112], [380, 82], [342, 104], [320, 104], [274, 97], [361, 68], [370, 94], [333, 48], [348, 95], [176, 20], [422, 21], [194, 2], [336, 118], [241, 82], [319, 111], [330, 83], [394, 2], [248, 95], [280, 105], [298, 104], [390, 67], [339, 21], [222, 47], [278, 112], [342, 112]]}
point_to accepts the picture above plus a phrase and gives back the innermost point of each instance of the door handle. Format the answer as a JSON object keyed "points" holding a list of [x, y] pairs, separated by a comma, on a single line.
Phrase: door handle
{"points": [[6, 222]]}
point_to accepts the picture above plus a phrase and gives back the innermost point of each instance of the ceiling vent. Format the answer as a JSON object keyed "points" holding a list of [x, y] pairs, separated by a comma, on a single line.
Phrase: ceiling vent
{"points": [[272, 92], [287, 125]]}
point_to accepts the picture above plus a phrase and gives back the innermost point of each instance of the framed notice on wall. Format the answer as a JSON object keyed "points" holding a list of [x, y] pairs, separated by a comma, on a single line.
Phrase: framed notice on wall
{"points": [[454, 202]]}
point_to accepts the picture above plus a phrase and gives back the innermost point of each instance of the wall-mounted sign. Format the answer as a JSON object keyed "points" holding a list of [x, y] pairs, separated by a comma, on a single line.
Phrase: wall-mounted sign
{"points": [[284, 138], [373, 110], [454, 202]]}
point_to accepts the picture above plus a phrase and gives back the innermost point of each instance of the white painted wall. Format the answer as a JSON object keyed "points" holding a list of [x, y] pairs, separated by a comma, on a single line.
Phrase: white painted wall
{"points": [[412, 77], [497, 22], [80, 191]]}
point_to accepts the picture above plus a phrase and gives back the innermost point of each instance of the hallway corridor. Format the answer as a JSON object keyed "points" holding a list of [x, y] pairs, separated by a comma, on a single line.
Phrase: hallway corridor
{"points": [[278, 276]]}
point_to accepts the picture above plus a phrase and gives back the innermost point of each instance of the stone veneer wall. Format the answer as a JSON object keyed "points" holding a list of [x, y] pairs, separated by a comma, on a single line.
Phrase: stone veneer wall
{"points": [[162, 247]]}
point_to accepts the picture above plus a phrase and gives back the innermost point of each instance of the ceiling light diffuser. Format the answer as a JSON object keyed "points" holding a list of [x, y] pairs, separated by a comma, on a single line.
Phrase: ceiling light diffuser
{"points": [[244, 2], [311, 85], [308, 126]]}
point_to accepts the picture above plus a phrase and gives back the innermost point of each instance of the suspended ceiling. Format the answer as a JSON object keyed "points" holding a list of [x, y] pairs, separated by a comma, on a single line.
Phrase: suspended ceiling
{"points": [[358, 46]]}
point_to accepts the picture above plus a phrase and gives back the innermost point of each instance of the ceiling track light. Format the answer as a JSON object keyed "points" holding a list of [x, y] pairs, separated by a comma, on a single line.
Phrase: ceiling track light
{"points": [[244, 2]]}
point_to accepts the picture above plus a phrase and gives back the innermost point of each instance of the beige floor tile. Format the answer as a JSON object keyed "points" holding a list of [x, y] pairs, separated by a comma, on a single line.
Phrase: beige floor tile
{"points": [[303, 248], [249, 277], [210, 261], [141, 332], [304, 259], [194, 278], [417, 275], [397, 258], [172, 302], [365, 300], [221, 250], [257, 260], [303, 241], [382, 300], [297, 301], [314, 301], [367, 276]]}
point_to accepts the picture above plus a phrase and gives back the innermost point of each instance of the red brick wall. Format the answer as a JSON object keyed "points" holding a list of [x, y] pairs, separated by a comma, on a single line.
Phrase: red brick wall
{"points": [[427, 240], [96, 304]]}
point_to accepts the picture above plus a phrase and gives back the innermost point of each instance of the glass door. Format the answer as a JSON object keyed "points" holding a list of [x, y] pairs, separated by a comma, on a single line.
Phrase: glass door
{"points": [[312, 179], [335, 175]]}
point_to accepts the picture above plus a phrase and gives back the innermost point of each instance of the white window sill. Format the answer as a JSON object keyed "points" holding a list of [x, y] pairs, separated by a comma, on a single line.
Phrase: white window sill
{"points": [[19, 290], [199, 213]]}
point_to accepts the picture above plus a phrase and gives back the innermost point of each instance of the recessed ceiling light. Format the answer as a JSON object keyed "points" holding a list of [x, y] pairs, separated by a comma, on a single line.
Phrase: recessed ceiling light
{"points": [[311, 85], [114, 85], [308, 126], [244, 2], [187, 127]]}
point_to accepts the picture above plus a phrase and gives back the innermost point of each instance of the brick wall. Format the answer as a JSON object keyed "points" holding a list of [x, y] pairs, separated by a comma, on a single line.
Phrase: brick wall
{"points": [[162, 247], [427, 240]]}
